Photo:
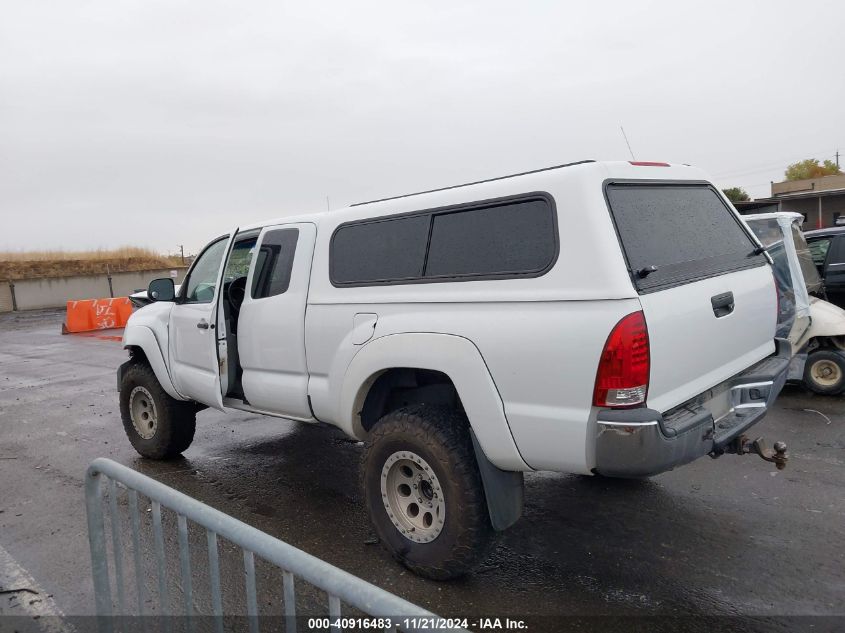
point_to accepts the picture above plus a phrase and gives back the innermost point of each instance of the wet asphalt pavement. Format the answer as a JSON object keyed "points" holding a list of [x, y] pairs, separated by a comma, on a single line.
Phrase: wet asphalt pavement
{"points": [[727, 537]]}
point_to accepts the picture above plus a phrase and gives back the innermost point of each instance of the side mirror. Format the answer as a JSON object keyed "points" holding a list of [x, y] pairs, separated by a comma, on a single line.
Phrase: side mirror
{"points": [[162, 290]]}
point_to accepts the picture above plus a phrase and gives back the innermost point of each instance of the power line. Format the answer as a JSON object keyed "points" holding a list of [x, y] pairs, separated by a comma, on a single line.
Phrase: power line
{"points": [[768, 166]]}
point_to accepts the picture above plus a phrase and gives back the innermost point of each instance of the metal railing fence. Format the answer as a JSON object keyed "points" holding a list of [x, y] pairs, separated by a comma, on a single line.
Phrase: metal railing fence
{"points": [[340, 586]]}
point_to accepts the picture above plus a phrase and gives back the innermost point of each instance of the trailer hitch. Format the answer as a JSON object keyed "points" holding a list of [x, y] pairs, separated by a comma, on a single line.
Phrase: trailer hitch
{"points": [[744, 446]]}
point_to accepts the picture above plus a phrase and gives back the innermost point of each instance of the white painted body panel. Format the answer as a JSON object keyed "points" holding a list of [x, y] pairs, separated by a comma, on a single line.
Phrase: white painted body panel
{"points": [[147, 329], [453, 355], [692, 350], [271, 338], [194, 363], [193, 353], [540, 356], [827, 320]]}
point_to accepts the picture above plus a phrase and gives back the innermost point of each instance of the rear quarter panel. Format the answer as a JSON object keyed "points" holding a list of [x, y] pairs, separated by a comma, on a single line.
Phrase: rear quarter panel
{"points": [[542, 357]]}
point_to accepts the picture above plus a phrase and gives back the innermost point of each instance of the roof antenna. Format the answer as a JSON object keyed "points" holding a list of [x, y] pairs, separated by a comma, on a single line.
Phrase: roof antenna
{"points": [[625, 136], [328, 206]]}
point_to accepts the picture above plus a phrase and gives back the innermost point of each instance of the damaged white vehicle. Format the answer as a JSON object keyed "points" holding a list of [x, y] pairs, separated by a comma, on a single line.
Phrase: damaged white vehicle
{"points": [[815, 327]]}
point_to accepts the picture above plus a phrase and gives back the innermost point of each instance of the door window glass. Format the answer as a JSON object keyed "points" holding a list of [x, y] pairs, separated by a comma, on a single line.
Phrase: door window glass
{"points": [[818, 250], [274, 263], [836, 253], [202, 280], [240, 259]]}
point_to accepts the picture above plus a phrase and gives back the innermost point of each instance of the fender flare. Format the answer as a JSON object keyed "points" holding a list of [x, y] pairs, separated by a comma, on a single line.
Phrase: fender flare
{"points": [[453, 355], [144, 338]]}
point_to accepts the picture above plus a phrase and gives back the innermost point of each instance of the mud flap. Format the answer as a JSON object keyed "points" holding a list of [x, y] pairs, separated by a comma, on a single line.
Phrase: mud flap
{"points": [[504, 490], [120, 371]]}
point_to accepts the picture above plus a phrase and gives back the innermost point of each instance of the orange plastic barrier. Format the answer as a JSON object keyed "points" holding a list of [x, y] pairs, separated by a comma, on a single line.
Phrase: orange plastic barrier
{"points": [[89, 315]]}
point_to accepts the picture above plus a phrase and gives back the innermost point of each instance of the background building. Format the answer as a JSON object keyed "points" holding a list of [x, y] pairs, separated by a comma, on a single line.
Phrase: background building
{"points": [[819, 200]]}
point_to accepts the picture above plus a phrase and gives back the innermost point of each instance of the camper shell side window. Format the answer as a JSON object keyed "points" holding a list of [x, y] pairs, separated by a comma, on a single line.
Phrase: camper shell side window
{"points": [[505, 238]]}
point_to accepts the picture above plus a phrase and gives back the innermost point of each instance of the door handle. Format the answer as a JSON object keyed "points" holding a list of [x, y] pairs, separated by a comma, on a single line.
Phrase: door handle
{"points": [[203, 325], [723, 304]]}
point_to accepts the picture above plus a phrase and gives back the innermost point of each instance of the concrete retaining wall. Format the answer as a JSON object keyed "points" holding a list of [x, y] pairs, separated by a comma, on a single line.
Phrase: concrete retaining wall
{"points": [[5, 298], [55, 292]]}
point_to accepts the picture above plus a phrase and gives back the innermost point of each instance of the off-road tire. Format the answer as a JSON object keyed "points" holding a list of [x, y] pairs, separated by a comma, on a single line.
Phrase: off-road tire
{"points": [[440, 436], [175, 420], [825, 388]]}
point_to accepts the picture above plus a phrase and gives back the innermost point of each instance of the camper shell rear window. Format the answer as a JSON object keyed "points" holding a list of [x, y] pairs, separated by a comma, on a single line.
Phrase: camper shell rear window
{"points": [[675, 233]]}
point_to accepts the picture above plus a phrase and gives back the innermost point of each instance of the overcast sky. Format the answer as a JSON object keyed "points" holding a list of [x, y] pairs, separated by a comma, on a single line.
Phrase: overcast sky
{"points": [[156, 123]]}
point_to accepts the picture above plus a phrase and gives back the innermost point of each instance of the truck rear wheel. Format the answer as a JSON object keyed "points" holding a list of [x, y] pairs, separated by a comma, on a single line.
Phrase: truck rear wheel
{"points": [[157, 425], [824, 372], [424, 492]]}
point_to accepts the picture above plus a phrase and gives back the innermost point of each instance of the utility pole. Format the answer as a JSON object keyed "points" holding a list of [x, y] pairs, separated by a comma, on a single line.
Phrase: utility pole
{"points": [[108, 276], [182, 252], [837, 159]]}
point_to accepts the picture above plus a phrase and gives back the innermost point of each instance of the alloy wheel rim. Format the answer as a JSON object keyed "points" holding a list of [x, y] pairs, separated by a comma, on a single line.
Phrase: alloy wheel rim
{"points": [[413, 497], [142, 410]]}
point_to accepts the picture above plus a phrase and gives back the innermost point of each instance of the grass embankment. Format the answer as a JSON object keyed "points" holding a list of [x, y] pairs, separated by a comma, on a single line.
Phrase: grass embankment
{"points": [[35, 264]]}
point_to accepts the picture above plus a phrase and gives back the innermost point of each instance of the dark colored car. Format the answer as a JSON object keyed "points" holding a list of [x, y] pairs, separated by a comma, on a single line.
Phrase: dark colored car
{"points": [[827, 247]]}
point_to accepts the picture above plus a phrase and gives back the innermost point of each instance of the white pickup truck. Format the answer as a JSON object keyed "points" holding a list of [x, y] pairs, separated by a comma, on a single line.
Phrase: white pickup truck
{"points": [[597, 318]]}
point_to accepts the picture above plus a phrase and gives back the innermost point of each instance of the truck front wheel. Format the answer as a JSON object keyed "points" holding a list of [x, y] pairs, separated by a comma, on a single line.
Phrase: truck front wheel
{"points": [[824, 372], [424, 493], [157, 425]]}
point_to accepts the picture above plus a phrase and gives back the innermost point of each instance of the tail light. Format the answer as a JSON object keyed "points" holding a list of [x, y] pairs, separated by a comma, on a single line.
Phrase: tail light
{"points": [[622, 377]]}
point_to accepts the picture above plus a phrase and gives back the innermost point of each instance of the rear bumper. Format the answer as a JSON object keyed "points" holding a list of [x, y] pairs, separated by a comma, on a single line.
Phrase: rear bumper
{"points": [[643, 442]]}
